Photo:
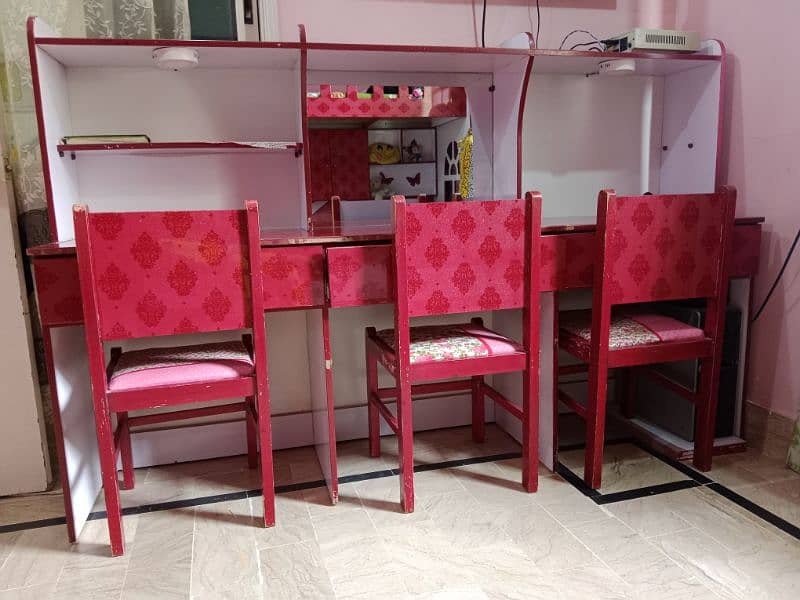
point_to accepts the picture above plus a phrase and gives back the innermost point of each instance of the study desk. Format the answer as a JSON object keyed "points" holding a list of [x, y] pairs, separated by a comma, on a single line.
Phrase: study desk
{"points": [[330, 266]]}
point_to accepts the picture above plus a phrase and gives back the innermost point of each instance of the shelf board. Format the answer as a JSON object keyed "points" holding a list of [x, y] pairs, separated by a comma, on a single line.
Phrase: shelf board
{"points": [[176, 148], [403, 164]]}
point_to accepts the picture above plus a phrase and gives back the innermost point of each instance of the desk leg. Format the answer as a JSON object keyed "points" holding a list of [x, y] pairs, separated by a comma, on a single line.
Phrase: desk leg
{"points": [[76, 440], [58, 432], [322, 410]]}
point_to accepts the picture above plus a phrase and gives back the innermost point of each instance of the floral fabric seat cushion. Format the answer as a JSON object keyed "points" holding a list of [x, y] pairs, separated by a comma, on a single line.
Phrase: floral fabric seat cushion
{"points": [[628, 330], [179, 365], [430, 343]]}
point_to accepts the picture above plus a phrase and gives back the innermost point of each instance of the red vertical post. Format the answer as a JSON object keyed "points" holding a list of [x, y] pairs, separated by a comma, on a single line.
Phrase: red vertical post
{"points": [[372, 393], [102, 415], [531, 317], [402, 343], [478, 410], [126, 451], [260, 355], [706, 411]]}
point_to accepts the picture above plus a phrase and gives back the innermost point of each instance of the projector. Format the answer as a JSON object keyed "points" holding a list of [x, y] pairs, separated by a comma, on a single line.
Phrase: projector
{"points": [[654, 40]]}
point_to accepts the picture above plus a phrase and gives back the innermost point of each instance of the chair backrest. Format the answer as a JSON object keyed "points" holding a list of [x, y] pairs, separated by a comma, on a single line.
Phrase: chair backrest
{"points": [[458, 257], [163, 273], [653, 248]]}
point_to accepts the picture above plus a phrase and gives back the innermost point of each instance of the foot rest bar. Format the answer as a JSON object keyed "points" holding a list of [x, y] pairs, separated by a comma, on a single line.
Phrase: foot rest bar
{"points": [[570, 402], [460, 385], [385, 412], [191, 413], [502, 401]]}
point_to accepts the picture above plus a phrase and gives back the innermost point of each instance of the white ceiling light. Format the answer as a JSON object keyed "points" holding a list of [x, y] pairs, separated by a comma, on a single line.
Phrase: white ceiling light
{"points": [[175, 58]]}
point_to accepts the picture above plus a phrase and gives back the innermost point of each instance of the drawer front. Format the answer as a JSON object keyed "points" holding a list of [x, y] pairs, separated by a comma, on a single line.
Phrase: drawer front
{"points": [[293, 277], [360, 275], [58, 291], [746, 250], [567, 261]]}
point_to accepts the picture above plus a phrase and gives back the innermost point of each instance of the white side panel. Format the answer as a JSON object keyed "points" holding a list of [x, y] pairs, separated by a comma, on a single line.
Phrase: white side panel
{"points": [[691, 117], [506, 99], [58, 123], [319, 394], [582, 134], [77, 420]]}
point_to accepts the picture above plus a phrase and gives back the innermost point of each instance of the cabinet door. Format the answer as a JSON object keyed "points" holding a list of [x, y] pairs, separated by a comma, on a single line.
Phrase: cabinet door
{"points": [[320, 157], [350, 163]]}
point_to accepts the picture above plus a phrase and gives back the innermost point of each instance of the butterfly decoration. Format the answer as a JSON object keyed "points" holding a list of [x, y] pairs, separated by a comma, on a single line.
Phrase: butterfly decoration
{"points": [[384, 179], [414, 181]]}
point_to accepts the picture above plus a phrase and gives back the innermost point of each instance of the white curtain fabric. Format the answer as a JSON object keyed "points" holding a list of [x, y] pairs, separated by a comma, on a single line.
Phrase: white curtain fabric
{"points": [[148, 19]]}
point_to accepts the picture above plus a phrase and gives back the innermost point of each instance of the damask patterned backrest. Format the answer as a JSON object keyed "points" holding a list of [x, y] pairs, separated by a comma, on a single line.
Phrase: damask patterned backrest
{"points": [[164, 273], [663, 247], [459, 257]]}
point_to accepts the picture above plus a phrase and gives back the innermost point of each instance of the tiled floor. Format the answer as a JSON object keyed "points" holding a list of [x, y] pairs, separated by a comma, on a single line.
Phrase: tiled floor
{"points": [[475, 534]]}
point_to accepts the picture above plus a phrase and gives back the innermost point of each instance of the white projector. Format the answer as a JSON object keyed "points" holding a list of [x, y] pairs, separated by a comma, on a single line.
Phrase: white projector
{"points": [[654, 40]]}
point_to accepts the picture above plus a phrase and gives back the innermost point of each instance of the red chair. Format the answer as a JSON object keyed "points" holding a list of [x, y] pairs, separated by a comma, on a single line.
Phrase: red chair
{"points": [[649, 249], [146, 274], [451, 258]]}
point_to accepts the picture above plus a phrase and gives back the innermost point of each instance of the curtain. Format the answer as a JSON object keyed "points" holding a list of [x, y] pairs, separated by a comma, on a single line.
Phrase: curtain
{"points": [[70, 18], [148, 19]]}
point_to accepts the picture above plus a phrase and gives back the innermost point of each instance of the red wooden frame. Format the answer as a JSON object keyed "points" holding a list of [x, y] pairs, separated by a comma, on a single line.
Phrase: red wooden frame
{"points": [[378, 106], [711, 250], [113, 443], [458, 222]]}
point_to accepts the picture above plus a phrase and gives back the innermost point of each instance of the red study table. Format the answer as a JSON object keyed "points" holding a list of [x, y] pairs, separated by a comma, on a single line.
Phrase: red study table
{"points": [[335, 266]]}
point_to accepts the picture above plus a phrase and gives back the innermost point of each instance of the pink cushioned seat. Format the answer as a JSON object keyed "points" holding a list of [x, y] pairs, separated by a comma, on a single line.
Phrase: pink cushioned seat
{"points": [[431, 343], [628, 329], [180, 365]]}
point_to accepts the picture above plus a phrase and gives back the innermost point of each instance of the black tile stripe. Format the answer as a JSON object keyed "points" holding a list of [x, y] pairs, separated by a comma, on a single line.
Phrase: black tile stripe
{"points": [[650, 490], [759, 511], [279, 489]]}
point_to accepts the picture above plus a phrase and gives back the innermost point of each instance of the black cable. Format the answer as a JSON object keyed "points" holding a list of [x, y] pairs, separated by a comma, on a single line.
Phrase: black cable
{"points": [[595, 44], [483, 26], [566, 37], [538, 23], [778, 278]]}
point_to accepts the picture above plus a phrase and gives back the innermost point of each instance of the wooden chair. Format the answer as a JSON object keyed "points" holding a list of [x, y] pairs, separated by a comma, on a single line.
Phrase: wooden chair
{"points": [[649, 249], [146, 274], [451, 258]]}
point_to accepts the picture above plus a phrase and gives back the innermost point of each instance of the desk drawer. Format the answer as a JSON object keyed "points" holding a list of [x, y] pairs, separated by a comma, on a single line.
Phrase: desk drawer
{"points": [[292, 277], [359, 275], [58, 290]]}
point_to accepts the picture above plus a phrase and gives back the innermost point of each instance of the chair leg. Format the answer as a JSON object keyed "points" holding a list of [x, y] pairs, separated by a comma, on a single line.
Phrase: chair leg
{"points": [[126, 452], [108, 468], [478, 425], [595, 426], [530, 430], [372, 409], [252, 433], [405, 442], [705, 418], [265, 444]]}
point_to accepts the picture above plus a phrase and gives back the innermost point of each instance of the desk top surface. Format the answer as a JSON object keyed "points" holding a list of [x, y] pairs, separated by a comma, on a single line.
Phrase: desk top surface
{"points": [[361, 231]]}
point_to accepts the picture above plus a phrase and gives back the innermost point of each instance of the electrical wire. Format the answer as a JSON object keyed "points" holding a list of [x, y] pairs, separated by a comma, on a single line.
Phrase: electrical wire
{"points": [[566, 37], [483, 26], [778, 278], [592, 44], [538, 23]]}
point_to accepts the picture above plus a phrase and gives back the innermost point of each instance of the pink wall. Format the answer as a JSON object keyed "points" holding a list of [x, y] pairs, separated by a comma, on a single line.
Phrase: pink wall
{"points": [[763, 125]]}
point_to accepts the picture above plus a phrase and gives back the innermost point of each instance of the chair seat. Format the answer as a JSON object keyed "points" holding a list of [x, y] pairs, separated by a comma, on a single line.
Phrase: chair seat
{"points": [[434, 343], [199, 363], [628, 330]]}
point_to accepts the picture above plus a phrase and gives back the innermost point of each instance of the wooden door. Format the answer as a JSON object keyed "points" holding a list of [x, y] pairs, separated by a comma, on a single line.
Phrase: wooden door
{"points": [[349, 156], [320, 157]]}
